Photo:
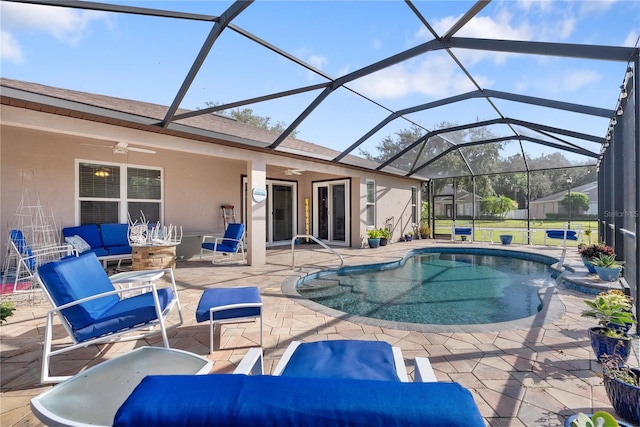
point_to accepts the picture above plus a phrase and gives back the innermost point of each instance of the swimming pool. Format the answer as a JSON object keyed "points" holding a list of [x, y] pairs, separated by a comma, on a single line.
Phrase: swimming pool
{"points": [[438, 286]]}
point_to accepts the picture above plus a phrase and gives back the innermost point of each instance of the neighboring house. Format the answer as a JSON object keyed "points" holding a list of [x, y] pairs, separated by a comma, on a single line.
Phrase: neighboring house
{"points": [[539, 208], [443, 203], [97, 159]]}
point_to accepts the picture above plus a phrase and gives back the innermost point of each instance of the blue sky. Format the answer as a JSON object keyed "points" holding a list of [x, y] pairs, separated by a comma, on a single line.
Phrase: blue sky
{"points": [[146, 58]]}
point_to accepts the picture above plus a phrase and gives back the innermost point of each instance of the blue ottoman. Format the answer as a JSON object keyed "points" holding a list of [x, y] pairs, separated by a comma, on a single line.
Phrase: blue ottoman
{"points": [[229, 304]]}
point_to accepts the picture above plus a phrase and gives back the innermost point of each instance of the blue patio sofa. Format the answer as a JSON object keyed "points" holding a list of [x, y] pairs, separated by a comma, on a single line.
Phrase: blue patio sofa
{"points": [[265, 400], [110, 242]]}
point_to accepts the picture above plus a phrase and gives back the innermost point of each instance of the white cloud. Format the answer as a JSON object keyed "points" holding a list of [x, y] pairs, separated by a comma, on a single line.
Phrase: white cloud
{"points": [[317, 61], [434, 76], [632, 39], [10, 49], [564, 82], [64, 24]]}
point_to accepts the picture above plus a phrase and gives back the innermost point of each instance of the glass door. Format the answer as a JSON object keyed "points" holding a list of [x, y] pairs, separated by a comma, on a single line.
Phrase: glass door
{"points": [[331, 213], [281, 211]]}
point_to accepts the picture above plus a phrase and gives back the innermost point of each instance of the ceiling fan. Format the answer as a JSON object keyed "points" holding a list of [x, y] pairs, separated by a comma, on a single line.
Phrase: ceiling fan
{"points": [[124, 148], [290, 172]]}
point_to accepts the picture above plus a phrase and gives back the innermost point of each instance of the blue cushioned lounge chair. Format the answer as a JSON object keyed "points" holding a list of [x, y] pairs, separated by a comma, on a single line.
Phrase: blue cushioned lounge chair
{"points": [[93, 311], [327, 383], [231, 243]]}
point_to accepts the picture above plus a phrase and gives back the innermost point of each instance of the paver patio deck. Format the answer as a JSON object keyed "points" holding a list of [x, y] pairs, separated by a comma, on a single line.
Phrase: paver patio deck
{"points": [[535, 372]]}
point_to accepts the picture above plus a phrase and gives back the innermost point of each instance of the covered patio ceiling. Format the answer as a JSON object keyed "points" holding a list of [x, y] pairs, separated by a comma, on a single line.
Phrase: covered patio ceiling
{"points": [[460, 82]]}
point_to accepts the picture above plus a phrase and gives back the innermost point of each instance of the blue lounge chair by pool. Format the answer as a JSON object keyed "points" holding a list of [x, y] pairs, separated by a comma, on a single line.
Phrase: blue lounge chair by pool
{"points": [[463, 232], [328, 383], [231, 243], [563, 235], [93, 311]]}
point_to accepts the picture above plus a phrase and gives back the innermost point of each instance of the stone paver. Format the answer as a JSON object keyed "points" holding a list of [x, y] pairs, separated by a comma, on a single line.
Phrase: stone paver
{"points": [[522, 374]]}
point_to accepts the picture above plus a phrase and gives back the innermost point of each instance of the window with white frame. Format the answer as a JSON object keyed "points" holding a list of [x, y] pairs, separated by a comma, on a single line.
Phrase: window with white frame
{"points": [[371, 203], [109, 193], [415, 216]]}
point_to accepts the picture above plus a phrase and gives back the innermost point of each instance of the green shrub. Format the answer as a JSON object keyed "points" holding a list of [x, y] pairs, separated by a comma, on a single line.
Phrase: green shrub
{"points": [[6, 310]]}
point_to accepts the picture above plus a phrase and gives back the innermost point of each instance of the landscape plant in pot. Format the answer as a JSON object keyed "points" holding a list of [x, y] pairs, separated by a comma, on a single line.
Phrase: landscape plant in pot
{"points": [[588, 252], [373, 237], [612, 309], [622, 384], [607, 267], [385, 236]]}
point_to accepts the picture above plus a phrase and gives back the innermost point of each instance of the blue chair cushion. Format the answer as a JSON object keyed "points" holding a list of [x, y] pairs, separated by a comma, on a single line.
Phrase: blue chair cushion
{"points": [[220, 248], [23, 248], [74, 278], [233, 231], [119, 250], [463, 231], [559, 234], [89, 234], [97, 252], [114, 235], [343, 359], [129, 312], [224, 296], [264, 400]]}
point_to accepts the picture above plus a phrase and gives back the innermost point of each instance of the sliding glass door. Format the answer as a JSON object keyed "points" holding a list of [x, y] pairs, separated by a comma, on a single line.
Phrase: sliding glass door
{"points": [[331, 212]]}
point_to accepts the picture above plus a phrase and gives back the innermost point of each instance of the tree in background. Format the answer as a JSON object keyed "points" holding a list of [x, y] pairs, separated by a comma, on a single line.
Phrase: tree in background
{"points": [[246, 115], [457, 162], [498, 205], [579, 202]]}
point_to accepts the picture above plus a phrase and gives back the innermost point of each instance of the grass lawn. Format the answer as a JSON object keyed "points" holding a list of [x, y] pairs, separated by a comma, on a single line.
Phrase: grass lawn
{"points": [[513, 227]]}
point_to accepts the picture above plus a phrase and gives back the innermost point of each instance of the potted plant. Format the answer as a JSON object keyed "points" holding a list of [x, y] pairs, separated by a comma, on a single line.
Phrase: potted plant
{"points": [[506, 239], [408, 236], [587, 252], [612, 309], [424, 230], [622, 384], [385, 236], [599, 419], [6, 309], [607, 267], [373, 236]]}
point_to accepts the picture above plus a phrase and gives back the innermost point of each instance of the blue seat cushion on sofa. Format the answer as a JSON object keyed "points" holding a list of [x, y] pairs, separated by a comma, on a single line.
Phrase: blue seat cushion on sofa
{"points": [[372, 360], [97, 252], [74, 278], [114, 235], [264, 400], [89, 234], [127, 313], [220, 248], [225, 296], [119, 250]]}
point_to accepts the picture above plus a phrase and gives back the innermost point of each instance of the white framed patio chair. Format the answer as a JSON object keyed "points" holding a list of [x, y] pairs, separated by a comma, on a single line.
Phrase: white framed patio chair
{"points": [[28, 259], [93, 310], [231, 243]]}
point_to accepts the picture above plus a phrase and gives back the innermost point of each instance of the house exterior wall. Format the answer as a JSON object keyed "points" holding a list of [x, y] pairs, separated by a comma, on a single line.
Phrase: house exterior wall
{"points": [[39, 151]]}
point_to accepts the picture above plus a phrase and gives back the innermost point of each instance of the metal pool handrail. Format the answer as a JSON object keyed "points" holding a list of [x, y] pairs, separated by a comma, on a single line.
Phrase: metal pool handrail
{"points": [[318, 241]]}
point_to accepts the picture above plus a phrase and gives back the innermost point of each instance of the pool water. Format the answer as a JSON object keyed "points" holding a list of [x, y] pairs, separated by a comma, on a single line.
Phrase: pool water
{"points": [[436, 288]]}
